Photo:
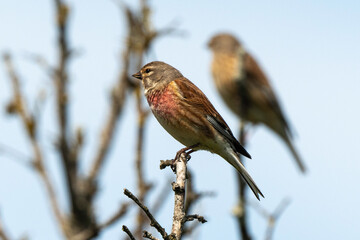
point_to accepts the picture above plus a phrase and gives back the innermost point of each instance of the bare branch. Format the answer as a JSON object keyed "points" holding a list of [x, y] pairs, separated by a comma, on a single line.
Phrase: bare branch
{"points": [[17, 155], [142, 185], [62, 101], [261, 211], [125, 229], [193, 217], [241, 211], [281, 208], [148, 235], [153, 221], [42, 62], [179, 203], [117, 103], [271, 218], [31, 131], [166, 163]]}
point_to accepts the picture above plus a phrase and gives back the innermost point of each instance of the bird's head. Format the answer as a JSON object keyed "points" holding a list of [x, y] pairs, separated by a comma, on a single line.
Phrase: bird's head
{"points": [[224, 43], [156, 75]]}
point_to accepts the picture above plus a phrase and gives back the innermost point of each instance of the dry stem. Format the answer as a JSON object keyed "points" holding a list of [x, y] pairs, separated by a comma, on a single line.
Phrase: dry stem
{"points": [[31, 131]]}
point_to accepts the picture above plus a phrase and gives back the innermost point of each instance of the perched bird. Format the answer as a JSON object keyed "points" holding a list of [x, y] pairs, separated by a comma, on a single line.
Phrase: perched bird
{"points": [[186, 114], [246, 90]]}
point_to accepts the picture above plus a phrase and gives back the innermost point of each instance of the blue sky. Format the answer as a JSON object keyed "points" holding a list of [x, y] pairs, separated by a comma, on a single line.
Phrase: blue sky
{"points": [[310, 51]]}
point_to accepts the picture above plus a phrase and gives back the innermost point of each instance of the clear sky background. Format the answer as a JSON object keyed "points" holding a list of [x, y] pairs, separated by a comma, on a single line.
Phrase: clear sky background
{"points": [[310, 51]]}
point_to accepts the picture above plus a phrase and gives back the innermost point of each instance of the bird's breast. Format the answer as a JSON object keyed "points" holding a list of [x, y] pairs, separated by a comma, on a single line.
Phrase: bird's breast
{"points": [[174, 116], [162, 103]]}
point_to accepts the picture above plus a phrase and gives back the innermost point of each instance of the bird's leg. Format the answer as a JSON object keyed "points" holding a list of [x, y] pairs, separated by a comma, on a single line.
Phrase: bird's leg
{"points": [[184, 150]]}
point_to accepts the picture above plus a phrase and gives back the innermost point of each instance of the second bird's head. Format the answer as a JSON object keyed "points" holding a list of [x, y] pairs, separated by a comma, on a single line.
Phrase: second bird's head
{"points": [[224, 43], [156, 75]]}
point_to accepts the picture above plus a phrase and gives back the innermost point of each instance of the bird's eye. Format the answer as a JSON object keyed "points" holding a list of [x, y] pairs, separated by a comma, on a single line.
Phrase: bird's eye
{"points": [[147, 70]]}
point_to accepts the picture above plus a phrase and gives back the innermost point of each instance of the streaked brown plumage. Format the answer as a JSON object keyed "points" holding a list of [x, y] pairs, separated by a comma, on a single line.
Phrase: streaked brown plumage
{"points": [[186, 114], [246, 90]]}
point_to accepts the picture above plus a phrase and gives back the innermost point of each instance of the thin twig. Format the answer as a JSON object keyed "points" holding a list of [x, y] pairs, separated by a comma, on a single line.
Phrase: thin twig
{"points": [[139, 28], [165, 163], [17, 155], [271, 218], [116, 106], [194, 217], [31, 131], [281, 208], [42, 62], [148, 235], [142, 185], [241, 208], [62, 101], [126, 229], [153, 221]]}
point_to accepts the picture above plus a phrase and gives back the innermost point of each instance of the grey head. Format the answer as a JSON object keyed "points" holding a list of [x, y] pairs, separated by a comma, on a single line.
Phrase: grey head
{"points": [[157, 74], [224, 43]]}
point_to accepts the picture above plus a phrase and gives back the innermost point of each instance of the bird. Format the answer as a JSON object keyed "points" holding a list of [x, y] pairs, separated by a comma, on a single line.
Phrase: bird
{"points": [[187, 115], [246, 90]]}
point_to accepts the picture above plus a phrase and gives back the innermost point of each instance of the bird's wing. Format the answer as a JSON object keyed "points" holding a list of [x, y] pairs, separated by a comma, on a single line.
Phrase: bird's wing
{"points": [[196, 99], [261, 91], [226, 132]]}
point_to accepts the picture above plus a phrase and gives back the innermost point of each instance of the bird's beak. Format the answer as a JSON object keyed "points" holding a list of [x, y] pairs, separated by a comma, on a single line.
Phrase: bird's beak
{"points": [[137, 75]]}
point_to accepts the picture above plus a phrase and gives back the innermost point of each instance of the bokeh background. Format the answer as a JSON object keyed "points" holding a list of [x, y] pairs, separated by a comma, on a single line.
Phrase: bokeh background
{"points": [[309, 49]]}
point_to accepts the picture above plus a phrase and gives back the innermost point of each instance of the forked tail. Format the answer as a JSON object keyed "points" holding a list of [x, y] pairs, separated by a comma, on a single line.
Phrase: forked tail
{"points": [[234, 160]]}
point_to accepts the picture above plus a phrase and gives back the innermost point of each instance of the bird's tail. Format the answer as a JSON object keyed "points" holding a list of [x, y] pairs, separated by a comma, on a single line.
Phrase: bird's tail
{"points": [[234, 160], [297, 158]]}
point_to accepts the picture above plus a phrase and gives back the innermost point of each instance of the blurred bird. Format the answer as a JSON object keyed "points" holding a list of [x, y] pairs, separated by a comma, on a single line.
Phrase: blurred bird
{"points": [[246, 90], [186, 114]]}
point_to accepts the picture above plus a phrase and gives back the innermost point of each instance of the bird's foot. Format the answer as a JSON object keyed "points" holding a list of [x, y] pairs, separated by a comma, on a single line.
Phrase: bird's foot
{"points": [[172, 162], [187, 151]]}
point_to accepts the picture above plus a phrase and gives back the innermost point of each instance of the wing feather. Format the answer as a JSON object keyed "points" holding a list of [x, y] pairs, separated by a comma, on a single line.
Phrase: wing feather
{"points": [[196, 99]]}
